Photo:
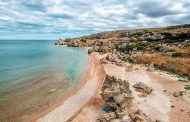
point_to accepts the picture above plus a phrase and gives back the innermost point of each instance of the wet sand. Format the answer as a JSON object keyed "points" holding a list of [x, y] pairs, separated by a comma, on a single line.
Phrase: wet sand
{"points": [[68, 108], [32, 97]]}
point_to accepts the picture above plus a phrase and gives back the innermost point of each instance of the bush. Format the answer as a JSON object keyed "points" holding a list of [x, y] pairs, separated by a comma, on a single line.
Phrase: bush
{"points": [[187, 87], [132, 46], [175, 54]]}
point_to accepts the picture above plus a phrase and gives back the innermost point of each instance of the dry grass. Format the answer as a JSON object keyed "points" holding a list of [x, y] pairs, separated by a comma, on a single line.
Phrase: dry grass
{"points": [[182, 51], [178, 65]]}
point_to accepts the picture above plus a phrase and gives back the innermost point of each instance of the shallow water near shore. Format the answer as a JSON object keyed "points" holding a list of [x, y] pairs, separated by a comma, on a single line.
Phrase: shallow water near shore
{"points": [[30, 70]]}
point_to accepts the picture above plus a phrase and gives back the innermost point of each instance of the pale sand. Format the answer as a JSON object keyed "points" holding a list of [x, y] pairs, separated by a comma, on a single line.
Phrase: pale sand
{"points": [[181, 110], [75, 103], [157, 105], [57, 102], [93, 109]]}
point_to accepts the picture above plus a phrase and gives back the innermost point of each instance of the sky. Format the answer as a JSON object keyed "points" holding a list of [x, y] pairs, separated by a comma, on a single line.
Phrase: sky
{"points": [[53, 19]]}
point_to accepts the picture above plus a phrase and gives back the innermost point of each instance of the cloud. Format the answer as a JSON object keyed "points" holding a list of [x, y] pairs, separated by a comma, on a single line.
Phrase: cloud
{"points": [[71, 18], [154, 9]]}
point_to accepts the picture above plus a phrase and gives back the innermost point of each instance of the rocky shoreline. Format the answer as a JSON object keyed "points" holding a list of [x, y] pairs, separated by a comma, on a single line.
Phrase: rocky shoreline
{"points": [[142, 46], [119, 101], [170, 44]]}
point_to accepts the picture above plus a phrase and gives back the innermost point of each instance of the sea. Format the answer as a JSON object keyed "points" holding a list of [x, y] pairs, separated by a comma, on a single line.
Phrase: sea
{"points": [[34, 73]]}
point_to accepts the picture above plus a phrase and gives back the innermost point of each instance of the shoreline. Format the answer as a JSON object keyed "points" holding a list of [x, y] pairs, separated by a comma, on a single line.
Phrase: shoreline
{"points": [[93, 109], [89, 82], [71, 91], [93, 102]]}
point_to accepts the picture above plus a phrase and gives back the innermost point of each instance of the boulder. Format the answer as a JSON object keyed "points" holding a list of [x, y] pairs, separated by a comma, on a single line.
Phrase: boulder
{"points": [[83, 39], [90, 51], [151, 36], [104, 49], [122, 45], [107, 117], [150, 67], [142, 88], [144, 42], [126, 39], [176, 94], [128, 34], [52, 90], [103, 61], [113, 58]]}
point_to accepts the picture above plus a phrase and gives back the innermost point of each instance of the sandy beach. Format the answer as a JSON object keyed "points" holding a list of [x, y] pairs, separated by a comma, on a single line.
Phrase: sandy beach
{"points": [[95, 61], [85, 105], [70, 107], [158, 104]]}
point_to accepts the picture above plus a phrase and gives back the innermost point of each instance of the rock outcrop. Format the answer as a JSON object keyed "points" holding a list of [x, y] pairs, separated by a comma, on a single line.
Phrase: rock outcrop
{"points": [[118, 98], [119, 102], [150, 36]]}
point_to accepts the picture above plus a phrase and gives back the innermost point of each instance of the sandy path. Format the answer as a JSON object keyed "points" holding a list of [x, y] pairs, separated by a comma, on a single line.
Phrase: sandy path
{"points": [[74, 103]]}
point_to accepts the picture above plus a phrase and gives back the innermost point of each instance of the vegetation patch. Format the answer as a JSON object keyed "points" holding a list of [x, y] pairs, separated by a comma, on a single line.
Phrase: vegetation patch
{"points": [[133, 46], [187, 87], [181, 93], [178, 66]]}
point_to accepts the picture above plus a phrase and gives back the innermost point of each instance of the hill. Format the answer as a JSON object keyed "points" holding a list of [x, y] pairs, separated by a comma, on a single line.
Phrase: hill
{"points": [[166, 48]]}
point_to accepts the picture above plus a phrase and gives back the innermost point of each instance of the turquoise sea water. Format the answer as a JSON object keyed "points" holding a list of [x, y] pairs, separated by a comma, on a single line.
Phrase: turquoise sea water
{"points": [[22, 61], [33, 61], [19, 59]]}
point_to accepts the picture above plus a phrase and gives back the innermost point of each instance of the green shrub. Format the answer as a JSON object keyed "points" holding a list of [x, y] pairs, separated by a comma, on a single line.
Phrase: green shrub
{"points": [[187, 87], [175, 54], [132, 46], [181, 93]]}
